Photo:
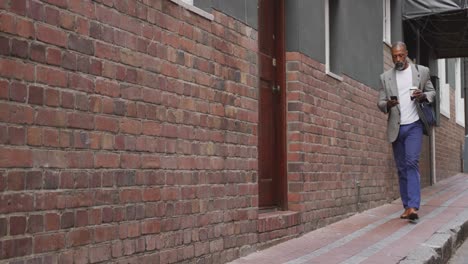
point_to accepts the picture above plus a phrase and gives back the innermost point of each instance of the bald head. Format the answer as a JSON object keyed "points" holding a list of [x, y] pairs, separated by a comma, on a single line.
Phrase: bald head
{"points": [[399, 45], [399, 54]]}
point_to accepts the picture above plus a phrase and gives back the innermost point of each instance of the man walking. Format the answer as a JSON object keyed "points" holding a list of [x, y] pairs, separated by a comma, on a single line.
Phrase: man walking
{"points": [[402, 87]]}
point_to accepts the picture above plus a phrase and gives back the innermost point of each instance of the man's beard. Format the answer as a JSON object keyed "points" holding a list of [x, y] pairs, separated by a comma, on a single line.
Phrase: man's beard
{"points": [[399, 66]]}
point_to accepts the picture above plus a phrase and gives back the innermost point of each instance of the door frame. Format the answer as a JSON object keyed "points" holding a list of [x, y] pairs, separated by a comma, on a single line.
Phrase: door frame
{"points": [[280, 185]]}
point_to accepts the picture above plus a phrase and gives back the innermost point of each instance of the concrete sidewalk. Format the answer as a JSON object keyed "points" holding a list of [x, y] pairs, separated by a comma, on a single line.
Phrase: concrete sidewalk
{"points": [[380, 236]]}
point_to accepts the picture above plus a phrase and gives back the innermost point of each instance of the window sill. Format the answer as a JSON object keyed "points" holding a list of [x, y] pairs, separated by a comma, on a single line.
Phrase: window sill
{"points": [[334, 76], [194, 9]]}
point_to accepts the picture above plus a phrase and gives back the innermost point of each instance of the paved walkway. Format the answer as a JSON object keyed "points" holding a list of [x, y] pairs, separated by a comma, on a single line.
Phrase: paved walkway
{"points": [[380, 236]]}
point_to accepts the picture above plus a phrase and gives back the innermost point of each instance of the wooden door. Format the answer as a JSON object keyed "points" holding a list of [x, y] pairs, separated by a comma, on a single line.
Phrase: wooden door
{"points": [[271, 136]]}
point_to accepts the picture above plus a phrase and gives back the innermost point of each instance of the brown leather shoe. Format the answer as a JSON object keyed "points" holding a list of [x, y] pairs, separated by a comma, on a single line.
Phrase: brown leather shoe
{"points": [[412, 214], [405, 214]]}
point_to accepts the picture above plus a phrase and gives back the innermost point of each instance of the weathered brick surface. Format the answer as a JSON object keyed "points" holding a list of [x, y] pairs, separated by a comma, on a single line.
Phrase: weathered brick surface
{"points": [[125, 129], [128, 134], [338, 159]]}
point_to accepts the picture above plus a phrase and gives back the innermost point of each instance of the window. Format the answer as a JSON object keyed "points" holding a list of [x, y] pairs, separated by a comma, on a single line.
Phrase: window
{"points": [[386, 22], [444, 88], [459, 101], [331, 65]]}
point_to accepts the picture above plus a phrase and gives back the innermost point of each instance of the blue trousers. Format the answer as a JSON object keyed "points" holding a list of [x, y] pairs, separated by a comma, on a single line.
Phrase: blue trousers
{"points": [[406, 152]]}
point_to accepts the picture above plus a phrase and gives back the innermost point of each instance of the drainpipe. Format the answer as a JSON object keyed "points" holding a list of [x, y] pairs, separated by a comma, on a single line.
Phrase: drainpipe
{"points": [[465, 147]]}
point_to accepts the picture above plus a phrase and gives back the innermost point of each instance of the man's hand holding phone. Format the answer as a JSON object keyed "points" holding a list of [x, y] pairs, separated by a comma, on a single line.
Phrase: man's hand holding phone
{"points": [[392, 102]]}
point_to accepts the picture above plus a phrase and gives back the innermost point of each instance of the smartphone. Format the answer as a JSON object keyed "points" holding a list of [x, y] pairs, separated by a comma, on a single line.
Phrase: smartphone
{"points": [[393, 97]]}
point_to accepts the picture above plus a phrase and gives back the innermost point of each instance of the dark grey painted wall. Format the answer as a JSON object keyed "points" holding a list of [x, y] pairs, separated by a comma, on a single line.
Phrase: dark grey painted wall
{"points": [[305, 28], [359, 40], [244, 10], [396, 21], [356, 46], [356, 36], [450, 70]]}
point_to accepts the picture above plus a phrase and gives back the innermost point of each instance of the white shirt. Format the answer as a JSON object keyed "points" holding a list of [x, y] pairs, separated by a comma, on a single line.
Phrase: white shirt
{"points": [[408, 110]]}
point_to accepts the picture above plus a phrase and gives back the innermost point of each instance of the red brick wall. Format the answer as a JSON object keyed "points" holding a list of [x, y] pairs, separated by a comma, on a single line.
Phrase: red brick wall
{"points": [[338, 159], [127, 133], [449, 140]]}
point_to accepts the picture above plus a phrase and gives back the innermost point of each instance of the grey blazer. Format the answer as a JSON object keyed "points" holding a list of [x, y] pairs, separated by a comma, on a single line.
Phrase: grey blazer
{"points": [[421, 79]]}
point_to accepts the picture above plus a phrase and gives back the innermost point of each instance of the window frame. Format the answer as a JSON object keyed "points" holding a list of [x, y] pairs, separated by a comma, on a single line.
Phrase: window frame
{"points": [[459, 101], [444, 88], [387, 20], [327, 44]]}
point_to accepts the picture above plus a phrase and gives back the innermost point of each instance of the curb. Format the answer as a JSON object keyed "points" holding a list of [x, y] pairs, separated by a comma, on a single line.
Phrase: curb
{"points": [[440, 247]]}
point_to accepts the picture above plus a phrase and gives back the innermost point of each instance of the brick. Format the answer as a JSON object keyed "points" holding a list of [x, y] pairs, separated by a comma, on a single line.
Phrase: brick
{"points": [[67, 99], [16, 203], [151, 194], [80, 120], [7, 23], [80, 256], [105, 123], [4, 46], [35, 224], [104, 87], [53, 118], [52, 77], [81, 82], [125, 178], [130, 126], [107, 160], [129, 161], [49, 242], [52, 221], [81, 159], [67, 220], [16, 69], [85, 8], [130, 196], [82, 102], [79, 237], [65, 257], [16, 180], [52, 15], [99, 253], [25, 28], [151, 226], [38, 52], [4, 134], [81, 44], [4, 90], [52, 97], [17, 135], [51, 35], [36, 10], [54, 56], [3, 227], [51, 180], [95, 217], [17, 225], [18, 7], [96, 67], [59, 3], [33, 180], [81, 218], [19, 48], [36, 95], [16, 248], [105, 233], [18, 92], [34, 136], [19, 158], [69, 60], [51, 138], [46, 201]]}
